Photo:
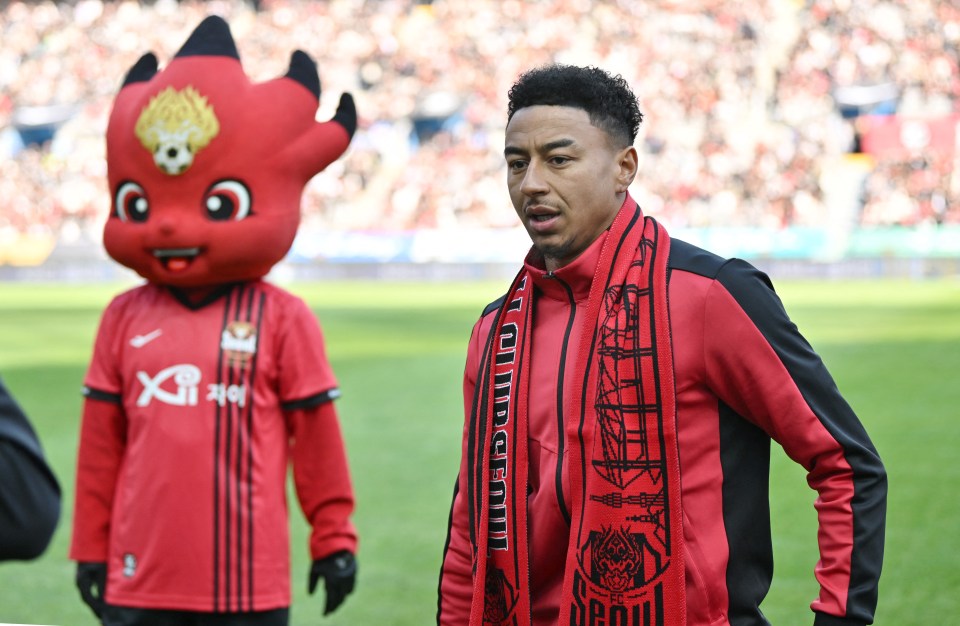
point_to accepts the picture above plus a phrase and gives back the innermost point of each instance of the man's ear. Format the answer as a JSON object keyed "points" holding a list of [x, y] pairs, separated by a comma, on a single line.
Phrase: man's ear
{"points": [[627, 163]]}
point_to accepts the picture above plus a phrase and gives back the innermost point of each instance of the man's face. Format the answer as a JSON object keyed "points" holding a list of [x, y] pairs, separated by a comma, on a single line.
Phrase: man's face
{"points": [[566, 179]]}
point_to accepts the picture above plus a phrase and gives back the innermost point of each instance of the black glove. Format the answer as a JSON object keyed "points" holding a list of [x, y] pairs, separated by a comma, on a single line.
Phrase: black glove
{"points": [[339, 572], [92, 583]]}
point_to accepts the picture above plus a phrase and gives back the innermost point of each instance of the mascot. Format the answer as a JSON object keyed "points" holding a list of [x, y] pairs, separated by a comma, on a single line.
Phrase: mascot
{"points": [[206, 382]]}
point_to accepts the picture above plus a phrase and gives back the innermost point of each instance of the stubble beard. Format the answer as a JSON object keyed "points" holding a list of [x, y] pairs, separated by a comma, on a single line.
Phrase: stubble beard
{"points": [[556, 253]]}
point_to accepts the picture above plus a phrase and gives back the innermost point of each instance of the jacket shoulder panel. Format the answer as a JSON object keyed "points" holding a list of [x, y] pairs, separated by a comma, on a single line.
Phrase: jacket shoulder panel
{"points": [[493, 306], [687, 257]]}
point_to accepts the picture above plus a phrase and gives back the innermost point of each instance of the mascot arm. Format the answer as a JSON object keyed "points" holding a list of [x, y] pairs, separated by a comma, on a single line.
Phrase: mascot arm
{"points": [[102, 442], [322, 479]]}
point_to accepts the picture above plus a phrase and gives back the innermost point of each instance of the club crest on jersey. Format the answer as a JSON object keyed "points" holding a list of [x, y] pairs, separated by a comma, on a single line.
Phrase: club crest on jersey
{"points": [[174, 126], [239, 342]]}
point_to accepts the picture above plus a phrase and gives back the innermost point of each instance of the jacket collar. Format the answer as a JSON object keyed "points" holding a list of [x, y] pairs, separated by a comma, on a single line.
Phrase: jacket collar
{"points": [[578, 275]]}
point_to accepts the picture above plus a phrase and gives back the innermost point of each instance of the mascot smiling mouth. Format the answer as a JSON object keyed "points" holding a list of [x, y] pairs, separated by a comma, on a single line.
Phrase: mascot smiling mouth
{"points": [[176, 259]]}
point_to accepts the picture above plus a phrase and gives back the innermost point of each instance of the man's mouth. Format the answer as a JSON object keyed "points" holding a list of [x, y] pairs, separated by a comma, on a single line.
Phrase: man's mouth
{"points": [[176, 259], [540, 217]]}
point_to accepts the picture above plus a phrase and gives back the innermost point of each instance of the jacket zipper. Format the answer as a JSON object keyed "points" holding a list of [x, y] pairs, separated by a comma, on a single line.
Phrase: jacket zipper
{"points": [[561, 430]]}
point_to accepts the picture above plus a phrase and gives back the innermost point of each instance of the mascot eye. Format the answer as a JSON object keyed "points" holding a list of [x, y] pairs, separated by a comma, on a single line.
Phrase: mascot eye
{"points": [[132, 203], [228, 199]]}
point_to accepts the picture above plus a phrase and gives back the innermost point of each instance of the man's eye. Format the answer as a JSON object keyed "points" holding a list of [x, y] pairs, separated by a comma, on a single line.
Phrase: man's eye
{"points": [[559, 160]]}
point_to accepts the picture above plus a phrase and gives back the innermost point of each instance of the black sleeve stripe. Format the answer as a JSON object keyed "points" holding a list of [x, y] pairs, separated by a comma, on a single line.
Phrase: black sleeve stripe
{"points": [[103, 396], [745, 461], [446, 548], [312, 401], [493, 306], [754, 292]]}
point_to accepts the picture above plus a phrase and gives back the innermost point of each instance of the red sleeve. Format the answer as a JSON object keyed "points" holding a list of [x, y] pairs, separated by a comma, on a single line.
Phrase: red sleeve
{"points": [[305, 373], [103, 434], [760, 365], [322, 479], [102, 444], [456, 580], [103, 374]]}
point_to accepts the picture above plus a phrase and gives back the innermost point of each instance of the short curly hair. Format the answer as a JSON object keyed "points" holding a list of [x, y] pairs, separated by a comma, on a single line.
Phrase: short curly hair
{"points": [[607, 99]]}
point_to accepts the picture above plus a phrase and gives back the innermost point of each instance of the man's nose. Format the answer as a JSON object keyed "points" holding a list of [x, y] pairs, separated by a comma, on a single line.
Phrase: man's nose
{"points": [[534, 183]]}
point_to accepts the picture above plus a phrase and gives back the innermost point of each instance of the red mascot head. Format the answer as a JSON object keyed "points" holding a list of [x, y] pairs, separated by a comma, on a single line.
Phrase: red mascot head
{"points": [[207, 169]]}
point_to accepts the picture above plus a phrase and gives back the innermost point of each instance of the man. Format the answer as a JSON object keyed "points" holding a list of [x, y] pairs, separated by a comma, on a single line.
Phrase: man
{"points": [[29, 491], [620, 401]]}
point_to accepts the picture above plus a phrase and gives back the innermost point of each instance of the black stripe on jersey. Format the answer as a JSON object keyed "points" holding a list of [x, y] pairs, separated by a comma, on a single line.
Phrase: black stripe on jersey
{"points": [[103, 396], [311, 401], [255, 307], [230, 437], [234, 491], [218, 418], [237, 377], [230, 455]]}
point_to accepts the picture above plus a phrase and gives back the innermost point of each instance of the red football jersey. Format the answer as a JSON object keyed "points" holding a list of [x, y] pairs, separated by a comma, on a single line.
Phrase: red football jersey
{"points": [[199, 511]]}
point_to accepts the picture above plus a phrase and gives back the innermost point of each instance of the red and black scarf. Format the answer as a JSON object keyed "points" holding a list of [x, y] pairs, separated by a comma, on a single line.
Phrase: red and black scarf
{"points": [[625, 553]]}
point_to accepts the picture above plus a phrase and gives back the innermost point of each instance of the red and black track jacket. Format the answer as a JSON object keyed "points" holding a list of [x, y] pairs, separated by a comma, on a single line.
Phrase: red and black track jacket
{"points": [[744, 376]]}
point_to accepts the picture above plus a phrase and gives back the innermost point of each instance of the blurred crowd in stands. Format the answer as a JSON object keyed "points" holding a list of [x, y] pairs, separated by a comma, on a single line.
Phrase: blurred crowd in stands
{"points": [[750, 106]]}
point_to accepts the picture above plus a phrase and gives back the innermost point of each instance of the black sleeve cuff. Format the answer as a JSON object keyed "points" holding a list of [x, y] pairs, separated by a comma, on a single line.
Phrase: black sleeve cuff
{"points": [[823, 619], [305, 403], [103, 396]]}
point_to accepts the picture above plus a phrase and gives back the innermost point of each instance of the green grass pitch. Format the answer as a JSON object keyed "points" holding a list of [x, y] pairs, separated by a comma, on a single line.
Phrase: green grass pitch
{"points": [[398, 349]]}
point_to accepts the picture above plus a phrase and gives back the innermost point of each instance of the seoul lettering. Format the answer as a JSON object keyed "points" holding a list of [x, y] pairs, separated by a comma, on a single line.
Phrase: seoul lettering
{"points": [[591, 611], [499, 440]]}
